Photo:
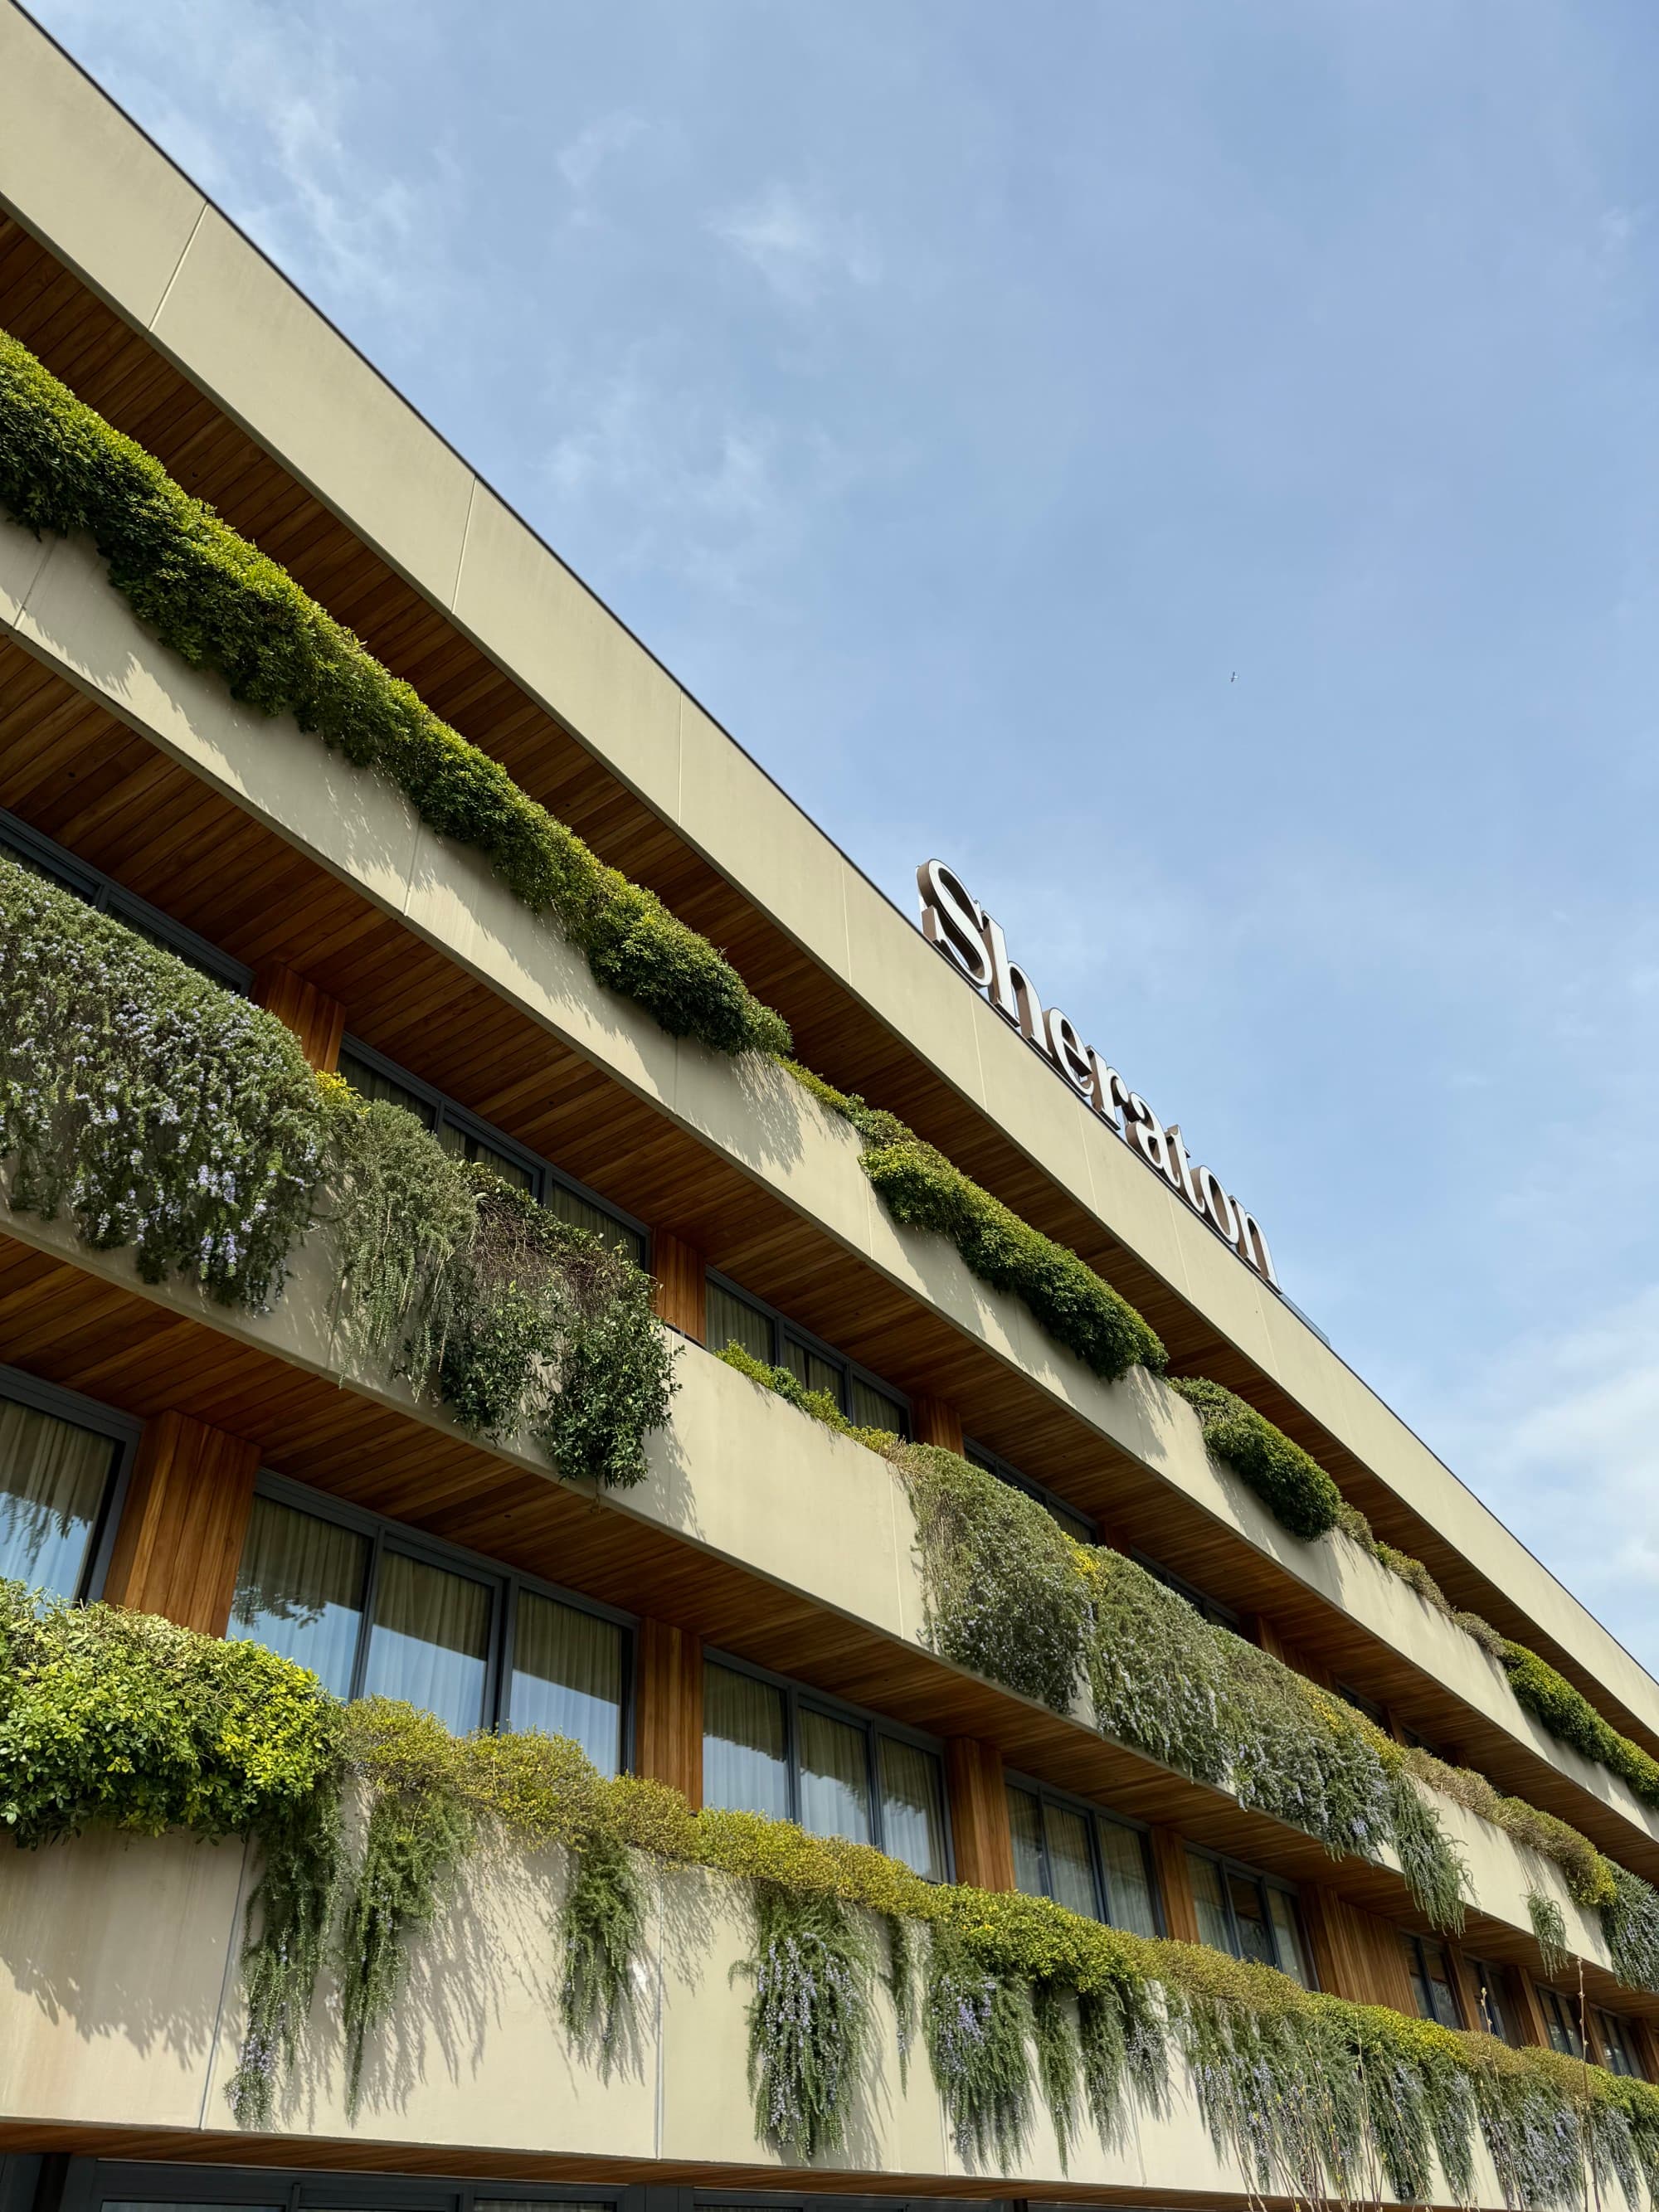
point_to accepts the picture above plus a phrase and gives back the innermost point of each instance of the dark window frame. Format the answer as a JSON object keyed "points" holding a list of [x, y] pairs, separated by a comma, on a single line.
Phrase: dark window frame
{"points": [[104, 895], [1265, 1881], [1621, 2043], [1487, 1976], [1207, 1607], [449, 1113], [1416, 1951], [1046, 1795], [1062, 1509], [504, 1582], [1560, 2016], [783, 1328], [123, 1429], [92, 2183], [797, 1694]]}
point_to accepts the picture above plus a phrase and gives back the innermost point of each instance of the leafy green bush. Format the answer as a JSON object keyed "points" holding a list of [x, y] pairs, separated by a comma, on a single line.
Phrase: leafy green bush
{"points": [[1293, 1486], [219, 601], [1567, 1713], [809, 2023], [817, 1404], [923, 1190]]}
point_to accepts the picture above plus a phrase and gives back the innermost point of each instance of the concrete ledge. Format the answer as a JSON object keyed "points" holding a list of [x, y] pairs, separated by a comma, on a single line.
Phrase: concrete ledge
{"points": [[57, 600]]}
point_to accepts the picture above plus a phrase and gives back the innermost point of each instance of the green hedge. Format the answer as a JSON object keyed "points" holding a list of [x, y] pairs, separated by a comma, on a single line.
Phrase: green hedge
{"points": [[924, 1190], [1293, 1486], [219, 601], [1567, 1713]]}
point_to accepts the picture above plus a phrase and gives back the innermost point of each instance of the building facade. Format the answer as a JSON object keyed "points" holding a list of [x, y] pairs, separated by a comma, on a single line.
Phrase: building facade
{"points": [[1061, 1677]]}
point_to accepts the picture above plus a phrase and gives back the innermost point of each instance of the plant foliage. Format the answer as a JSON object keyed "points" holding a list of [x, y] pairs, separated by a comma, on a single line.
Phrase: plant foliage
{"points": [[601, 1928], [818, 1405], [1568, 1714], [218, 601], [1293, 1486], [808, 2022]]}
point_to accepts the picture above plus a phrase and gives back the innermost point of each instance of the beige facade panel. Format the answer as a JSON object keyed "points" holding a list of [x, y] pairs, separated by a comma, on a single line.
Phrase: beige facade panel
{"points": [[59, 602], [474, 2057], [82, 177]]}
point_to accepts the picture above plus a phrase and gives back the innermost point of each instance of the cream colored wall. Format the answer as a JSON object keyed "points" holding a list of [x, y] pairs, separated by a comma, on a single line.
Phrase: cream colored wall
{"points": [[116, 2006], [80, 176], [55, 598]]}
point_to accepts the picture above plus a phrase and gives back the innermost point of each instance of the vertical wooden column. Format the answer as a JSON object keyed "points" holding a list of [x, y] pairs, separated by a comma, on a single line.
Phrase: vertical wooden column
{"points": [[1268, 1636], [317, 1020], [668, 1709], [681, 1279], [184, 1524], [980, 1833], [936, 1421], [1523, 2002], [1175, 1883]]}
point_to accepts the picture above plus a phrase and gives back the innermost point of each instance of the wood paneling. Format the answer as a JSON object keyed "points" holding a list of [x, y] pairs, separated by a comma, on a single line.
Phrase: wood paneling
{"points": [[1528, 2011], [1356, 1955], [316, 1019], [936, 1421], [681, 1274], [668, 1710], [979, 1832], [182, 1528], [1174, 1885]]}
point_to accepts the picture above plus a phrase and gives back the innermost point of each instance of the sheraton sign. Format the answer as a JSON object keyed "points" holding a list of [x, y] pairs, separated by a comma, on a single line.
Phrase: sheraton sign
{"points": [[958, 926]]}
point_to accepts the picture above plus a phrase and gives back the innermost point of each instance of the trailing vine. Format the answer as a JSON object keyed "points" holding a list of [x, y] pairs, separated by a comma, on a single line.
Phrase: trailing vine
{"points": [[601, 1928], [809, 2021], [1293, 1485], [220, 603]]}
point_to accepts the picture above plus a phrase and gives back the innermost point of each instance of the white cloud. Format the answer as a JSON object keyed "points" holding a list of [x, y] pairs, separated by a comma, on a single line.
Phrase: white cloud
{"points": [[581, 161], [797, 249]]}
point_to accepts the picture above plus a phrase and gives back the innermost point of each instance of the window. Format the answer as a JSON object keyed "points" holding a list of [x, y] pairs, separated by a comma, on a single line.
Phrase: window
{"points": [[1075, 1524], [112, 2186], [1560, 2023], [375, 1078], [1082, 1858], [1491, 1999], [1217, 1615], [1618, 2044], [734, 1317], [1361, 1704], [61, 1458], [769, 1747], [375, 1610], [46, 857], [1242, 1911], [1433, 1986]]}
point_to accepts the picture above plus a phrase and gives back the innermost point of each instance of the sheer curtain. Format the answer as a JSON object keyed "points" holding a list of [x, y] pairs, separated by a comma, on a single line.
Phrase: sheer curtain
{"points": [[1070, 1868], [1214, 1926], [874, 1409], [568, 1677], [300, 1590], [430, 1640], [912, 1807], [745, 1752], [835, 1778], [53, 1477], [581, 1215], [734, 1321], [1025, 1819], [1128, 1892]]}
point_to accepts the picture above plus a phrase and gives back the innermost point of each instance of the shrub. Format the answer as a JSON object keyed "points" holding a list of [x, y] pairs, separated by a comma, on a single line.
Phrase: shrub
{"points": [[1293, 1486], [221, 603], [809, 2024], [1567, 1713]]}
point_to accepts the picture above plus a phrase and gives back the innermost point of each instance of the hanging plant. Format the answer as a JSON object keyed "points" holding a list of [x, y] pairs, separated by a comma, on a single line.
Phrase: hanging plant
{"points": [[809, 2021]]}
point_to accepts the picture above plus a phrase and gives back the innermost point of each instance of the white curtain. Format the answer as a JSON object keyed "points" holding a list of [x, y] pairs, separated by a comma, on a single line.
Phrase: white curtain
{"points": [[1025, 1819], [1214, 1926], [430, 1641], [874, 1409], [734, 1321], [835, 1778], [912, 1807], [568, 1677], [300, 1590], [53, 1477], [1070, 1868], [1128, 1892], [745, 1760]]}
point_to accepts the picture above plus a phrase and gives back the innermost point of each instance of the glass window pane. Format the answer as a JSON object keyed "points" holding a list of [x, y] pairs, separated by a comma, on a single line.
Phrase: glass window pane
{"points": [[1213, 1925], [745, 1765], [430, 1641], [1288, 1934], [1250, 1919], [870, 1408], [912, 1806], [1443, 1998], [1489, 1997], [53, 1480], [734, 1321], [807, 1367], [581, 1215], [300, 1590], [1560, 2025], [568, 1677], [1129, 1901], [368, 1082], [1618, 2050], [835, 1778], [1070, 1868], [500, 1163], [1025, 1819]]}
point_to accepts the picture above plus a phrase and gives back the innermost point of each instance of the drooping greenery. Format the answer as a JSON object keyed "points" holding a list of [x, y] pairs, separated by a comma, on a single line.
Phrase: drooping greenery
{"points": [[1630, 1921], [809, 2021], [601, 1928], [1589, 1876], [924, 1190], [819, 1404], [159, 1110], [1293, 1486], [1569, 1714], [1549, 1926], [218, 601], [166, 1115], [978, 2024]]}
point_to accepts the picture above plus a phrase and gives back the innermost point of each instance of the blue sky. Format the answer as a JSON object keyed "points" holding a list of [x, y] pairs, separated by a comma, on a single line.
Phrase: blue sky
{"points": [[1191, 466]]}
